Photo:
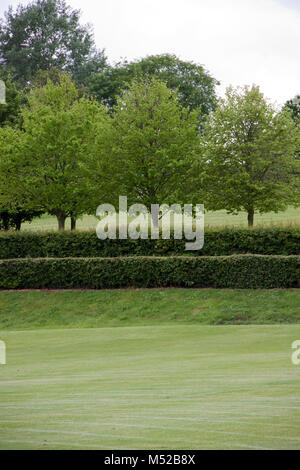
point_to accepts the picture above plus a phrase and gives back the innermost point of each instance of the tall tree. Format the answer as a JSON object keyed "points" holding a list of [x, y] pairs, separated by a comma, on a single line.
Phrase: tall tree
{"points": [[12, 215], [248, 158], [294, 107], [58, 139], [196, 87], [153, 142], [46, 34], [10, 111]]}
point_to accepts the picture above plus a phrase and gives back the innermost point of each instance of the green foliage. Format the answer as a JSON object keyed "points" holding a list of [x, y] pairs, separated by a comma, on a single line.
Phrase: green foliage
{"points": [[294, 107], [242, 271], [248, 157], [269, 241], [46, 34], [11, 150], [10, 112], [196, 88], [51, 156], [153, 141], [13, 218], [11, 215]]}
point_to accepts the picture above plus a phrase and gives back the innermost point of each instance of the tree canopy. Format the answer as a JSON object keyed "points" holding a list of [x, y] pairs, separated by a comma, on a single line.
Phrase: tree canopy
{"points": [[294, 106], [153, 140], [44, 164], [10, 111], [11, 214], [248, 159], [196, 88], [46, 34]]}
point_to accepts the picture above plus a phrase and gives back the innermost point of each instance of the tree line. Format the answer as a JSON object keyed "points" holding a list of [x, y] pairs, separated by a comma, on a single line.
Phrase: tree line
{"points": [[76, 131]]}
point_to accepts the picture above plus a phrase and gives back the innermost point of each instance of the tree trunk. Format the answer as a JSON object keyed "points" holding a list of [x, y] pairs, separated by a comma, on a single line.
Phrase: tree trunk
{"points": [[61, 219], [5, 220], [250, 217], [73, 223], [18, 223]]}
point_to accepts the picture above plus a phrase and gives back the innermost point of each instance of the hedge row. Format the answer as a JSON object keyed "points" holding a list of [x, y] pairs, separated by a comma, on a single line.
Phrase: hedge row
{"points": [[242, 271], [264, 241]]}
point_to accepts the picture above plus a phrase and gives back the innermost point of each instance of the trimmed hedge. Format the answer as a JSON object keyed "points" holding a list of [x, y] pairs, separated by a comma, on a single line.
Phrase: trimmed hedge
{"points": [[224, 242], [242, 271]]}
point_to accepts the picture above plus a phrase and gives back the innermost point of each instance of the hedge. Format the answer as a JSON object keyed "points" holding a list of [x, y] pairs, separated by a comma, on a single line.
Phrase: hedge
{"points": [[242, 271], [224, 242]]}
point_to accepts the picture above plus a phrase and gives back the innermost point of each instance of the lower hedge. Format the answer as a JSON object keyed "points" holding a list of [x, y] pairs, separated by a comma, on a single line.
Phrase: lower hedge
{"points": [[240, 271]]}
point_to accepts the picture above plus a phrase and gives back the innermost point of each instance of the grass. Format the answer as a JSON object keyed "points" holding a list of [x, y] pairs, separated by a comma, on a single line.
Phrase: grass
{"points": [[212, 219], [141, 369], [142, 307], [155, 387]]}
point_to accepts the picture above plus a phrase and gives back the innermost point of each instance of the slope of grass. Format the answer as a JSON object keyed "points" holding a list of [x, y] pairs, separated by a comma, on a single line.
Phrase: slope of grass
{"points": [[103, 308], [174, 387], [212, 219]]}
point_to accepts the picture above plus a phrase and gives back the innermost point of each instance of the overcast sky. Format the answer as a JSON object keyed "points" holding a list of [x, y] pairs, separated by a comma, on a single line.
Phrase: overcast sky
{"points": [[238, 41]]}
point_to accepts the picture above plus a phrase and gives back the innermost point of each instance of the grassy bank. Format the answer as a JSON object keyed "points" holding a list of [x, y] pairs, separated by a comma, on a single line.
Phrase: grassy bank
{"points": [[105, 308]]}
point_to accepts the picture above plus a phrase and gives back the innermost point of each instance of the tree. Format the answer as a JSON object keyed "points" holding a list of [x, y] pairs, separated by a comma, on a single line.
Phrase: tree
{"points": [[12, 210], [153, 140], [248, 156], [294, 107], [10, 112], [58, 139], [13, 218], [108, 85], [196, 88], [12, 215], [46, 34]]}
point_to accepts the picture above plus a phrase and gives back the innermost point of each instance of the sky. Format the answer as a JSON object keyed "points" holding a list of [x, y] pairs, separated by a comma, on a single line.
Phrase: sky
{"points": [[240, 42]]}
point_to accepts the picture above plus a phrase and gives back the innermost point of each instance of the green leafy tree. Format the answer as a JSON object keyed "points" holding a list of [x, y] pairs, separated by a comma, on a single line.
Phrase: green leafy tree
{"points": [[42, 77], [46, 34], [13, 211], [11, 215], [50, 160], [196, 88], [153, 141], [294, 107], [248, 158], [10, 112]]}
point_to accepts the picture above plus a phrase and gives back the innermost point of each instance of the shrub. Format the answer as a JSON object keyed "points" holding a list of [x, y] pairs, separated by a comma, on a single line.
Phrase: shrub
{"points": [[224, 242], [242, 271]]}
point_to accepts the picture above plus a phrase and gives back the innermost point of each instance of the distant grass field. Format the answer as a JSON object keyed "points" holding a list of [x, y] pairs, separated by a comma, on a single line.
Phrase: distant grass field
{"points": [[212, 219], [159, 387]]}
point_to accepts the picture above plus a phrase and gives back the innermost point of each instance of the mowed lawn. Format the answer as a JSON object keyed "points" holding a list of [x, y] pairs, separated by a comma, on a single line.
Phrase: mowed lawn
{"points": [[151, 387]]}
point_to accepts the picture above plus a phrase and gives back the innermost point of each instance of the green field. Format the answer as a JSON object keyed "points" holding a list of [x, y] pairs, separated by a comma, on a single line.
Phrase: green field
{"points": [[140, 369], [212, 219], [146, 307], [162, 387]]}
